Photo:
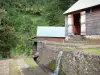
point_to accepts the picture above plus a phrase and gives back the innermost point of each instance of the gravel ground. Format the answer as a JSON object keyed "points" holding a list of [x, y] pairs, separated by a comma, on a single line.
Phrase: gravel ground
{"points": [[4, 67]]}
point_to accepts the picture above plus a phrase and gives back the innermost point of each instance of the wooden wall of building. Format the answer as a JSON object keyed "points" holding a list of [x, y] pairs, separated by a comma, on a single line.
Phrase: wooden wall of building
{"points": [[93, 22]]}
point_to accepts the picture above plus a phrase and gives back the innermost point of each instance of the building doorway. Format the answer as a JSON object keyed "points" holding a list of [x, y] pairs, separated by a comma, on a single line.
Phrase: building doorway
{"points": [[77, 24]]}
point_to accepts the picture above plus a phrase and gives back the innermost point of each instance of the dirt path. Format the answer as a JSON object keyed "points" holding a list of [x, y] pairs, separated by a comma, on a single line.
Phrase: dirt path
{"points": [[26, 70], [4, 67], [18, 67]]}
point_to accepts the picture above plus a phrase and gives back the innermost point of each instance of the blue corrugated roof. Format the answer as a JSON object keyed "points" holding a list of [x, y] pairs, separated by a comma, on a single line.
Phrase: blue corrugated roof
{"points": [[49, 31]]}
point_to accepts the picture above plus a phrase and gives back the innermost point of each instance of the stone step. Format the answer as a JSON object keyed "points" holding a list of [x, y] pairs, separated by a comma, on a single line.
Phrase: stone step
{"points": [[76, 38]]}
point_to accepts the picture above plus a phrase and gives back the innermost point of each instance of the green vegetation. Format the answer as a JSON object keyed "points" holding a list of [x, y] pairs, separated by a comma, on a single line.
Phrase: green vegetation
{"points": [[51, 65], [13, 68], [20, 18], [8, 39], [30, 62], [61, 71], [87, 50], [92, 50], [1, 57]]}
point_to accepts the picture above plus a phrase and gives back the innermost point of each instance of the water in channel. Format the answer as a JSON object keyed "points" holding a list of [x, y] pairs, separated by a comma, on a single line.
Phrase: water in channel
{"points": [[57, 63]]}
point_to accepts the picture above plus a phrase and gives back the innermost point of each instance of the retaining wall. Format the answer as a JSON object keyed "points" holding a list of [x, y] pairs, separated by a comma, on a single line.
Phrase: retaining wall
{"points": [[72, 62]]}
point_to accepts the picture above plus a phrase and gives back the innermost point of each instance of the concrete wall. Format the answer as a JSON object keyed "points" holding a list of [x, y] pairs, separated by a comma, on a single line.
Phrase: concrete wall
{"points": [[72, 62]]}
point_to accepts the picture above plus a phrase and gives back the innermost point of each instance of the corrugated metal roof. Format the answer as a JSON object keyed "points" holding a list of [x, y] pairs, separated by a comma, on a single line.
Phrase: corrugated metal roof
{"points": [[48, 31], [82, 4]]}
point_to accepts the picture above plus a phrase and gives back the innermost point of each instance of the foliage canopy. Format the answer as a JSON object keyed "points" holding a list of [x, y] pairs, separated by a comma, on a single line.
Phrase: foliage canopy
{"points": [[20, 18]]}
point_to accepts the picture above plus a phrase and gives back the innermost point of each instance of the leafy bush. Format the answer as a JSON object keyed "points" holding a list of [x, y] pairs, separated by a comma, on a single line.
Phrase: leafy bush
{"points": [[8, 38], [1, 57]]}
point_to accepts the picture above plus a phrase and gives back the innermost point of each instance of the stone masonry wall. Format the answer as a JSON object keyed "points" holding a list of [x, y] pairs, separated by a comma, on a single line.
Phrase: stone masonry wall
{"points": [[79, 63], [72, 62]]}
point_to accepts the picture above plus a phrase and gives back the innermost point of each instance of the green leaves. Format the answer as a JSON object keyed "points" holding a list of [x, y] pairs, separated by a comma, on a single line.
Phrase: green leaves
{"points": [[18, 23], [8, 39], [53, 11]]}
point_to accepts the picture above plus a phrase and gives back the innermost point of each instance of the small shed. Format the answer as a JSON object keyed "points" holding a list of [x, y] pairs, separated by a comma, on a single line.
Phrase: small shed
{"points": [[83, 18], [49, 33]]}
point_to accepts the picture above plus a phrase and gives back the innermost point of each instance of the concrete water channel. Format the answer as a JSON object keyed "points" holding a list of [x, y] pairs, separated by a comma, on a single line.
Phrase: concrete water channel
{"points": [[49, 72]]}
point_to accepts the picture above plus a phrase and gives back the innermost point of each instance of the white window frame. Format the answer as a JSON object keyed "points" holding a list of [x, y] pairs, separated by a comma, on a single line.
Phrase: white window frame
{"points": [[70, 25], [83, 23]]}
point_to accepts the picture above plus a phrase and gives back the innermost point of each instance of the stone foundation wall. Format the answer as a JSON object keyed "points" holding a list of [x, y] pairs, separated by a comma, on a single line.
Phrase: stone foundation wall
{"points": [[79, 63], [92, 37], [85, 38], [72, 62], [56, 39]]}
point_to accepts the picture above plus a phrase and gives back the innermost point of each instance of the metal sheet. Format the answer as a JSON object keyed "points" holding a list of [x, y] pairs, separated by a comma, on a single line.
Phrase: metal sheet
{"points": [[82, 4], [49, 31]]}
